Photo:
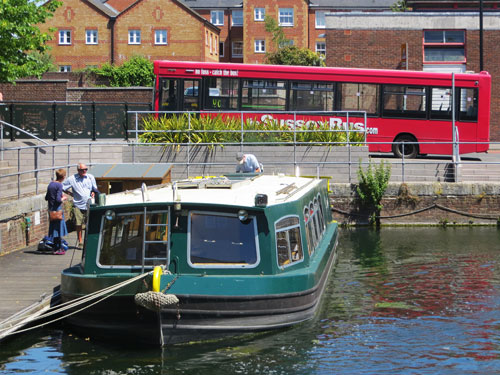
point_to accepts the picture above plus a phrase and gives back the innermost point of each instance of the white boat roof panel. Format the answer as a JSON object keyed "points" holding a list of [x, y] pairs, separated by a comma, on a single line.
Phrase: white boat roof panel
{"points": [[220, 191]]}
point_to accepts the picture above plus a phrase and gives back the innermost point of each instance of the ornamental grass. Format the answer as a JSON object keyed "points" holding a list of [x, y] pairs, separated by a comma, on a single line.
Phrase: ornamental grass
{"points": [[226, 129]]}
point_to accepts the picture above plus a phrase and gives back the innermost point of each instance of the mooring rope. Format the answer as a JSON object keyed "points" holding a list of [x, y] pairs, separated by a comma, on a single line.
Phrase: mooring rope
{"points": [[435, 205], [104, 293]]}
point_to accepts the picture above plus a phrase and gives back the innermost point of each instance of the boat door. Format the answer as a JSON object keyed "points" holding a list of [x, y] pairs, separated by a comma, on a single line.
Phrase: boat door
{"points": [[156, 239], [192, 95]]}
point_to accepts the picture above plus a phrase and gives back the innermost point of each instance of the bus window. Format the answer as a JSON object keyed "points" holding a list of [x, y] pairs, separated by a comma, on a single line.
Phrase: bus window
{"points": [[404, 101], [191, 95], [221, 93], [468, 104], [264, 95], [359, 97], [311, 96], [441, 103], [168, 95]]}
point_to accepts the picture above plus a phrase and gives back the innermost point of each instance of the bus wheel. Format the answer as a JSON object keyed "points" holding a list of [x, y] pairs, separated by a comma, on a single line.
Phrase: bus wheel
{"points": [[410, 149]]}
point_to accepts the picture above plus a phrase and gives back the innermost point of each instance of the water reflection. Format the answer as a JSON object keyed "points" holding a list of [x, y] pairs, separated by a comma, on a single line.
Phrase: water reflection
{"points": [[399, 301]]}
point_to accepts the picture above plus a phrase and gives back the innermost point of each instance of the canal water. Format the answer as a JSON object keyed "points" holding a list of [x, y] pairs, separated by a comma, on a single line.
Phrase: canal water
{"points": [[399, 301]]}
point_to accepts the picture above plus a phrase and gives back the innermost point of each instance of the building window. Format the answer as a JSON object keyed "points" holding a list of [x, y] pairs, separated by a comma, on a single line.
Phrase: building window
{"points": [[90, 36], [259, 14], [217, 17], [444, 46], [64, 36], [320, 19], [260, 46], [134, 37], [65, 68], [221, 49], [321, 48], [286, 16], [237, 49], [237, 17], [161, 37]]}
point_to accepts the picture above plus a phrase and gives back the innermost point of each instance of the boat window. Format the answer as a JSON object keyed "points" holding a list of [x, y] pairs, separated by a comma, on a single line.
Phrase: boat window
{"points": [[288, 244], [122, 240], [218, 240], [315, 224], [319, 211], [309, 231]]}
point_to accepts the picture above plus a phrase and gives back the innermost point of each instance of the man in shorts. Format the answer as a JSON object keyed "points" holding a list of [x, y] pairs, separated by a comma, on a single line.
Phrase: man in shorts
{"points": [[83, 186]]}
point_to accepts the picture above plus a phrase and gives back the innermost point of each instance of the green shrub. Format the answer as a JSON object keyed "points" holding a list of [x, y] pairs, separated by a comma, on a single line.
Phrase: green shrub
{"points": [[371, 188]]}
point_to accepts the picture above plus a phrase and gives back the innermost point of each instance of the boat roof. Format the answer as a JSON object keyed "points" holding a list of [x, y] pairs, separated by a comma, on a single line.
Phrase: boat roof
{"points": [[231, 190]]}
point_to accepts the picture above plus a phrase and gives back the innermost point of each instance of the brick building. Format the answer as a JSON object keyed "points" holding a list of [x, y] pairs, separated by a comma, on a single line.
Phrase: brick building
{"points": [[434, 41], [243, 37], [90, 32]]}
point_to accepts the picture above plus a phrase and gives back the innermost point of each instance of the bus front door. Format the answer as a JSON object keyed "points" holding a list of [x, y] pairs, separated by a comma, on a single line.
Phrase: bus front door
{"points": [[192, 95], [169, 95]]}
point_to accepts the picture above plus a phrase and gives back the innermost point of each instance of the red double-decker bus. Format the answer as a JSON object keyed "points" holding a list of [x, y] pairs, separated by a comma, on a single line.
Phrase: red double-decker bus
{"points": [[410, 107]]}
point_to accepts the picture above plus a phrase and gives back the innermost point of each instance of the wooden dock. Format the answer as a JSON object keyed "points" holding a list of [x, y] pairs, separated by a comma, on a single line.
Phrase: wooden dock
{"points": [[29, 283]]}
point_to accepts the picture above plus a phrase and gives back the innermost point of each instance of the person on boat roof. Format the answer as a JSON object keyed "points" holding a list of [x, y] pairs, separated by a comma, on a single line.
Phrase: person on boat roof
{"points": [[248, 163]]}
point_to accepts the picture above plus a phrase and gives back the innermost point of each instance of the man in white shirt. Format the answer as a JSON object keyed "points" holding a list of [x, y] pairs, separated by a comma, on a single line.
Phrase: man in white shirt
{"points": [[83, 186]]}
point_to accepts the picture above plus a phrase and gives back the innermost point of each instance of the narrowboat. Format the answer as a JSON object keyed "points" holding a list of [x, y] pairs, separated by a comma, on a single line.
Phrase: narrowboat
{"points": [[202, 258]]}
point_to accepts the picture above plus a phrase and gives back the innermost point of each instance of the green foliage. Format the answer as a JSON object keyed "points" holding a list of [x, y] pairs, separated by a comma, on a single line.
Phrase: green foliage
{"points": [[138, 71], [371, 188], [293, 55], [286, 54], [400, 6], [219, 129], [278, 35], [22, 44]]}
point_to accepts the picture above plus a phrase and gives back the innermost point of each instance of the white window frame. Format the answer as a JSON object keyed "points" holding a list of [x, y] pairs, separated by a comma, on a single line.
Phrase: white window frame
{"points": [[134, 36], [161, 37], [240, 23], [65, 68], [259, 14], [64, 37], [284, 17], [320, 21], [217, 17], [91, 36], [221, 49], [321, 51], [237, 42], [260, 46]]}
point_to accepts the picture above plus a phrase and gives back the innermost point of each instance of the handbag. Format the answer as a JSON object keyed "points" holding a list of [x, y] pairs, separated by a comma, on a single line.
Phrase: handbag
{"points": [[55, 215]]}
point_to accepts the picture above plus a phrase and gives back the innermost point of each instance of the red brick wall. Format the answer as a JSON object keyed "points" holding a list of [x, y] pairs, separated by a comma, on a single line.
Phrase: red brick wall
{"points": [[35, 90], [256, 30]]}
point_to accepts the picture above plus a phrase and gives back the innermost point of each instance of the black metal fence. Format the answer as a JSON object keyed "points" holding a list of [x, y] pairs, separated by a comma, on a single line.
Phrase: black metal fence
{"points": [[70, 120]]}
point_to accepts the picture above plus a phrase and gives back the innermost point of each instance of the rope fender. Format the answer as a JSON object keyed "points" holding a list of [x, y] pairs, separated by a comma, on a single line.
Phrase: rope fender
{"points": [[155, 301]]}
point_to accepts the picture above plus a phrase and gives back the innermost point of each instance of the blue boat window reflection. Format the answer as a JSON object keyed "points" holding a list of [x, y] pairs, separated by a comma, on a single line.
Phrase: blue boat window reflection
{"points": [[222, 240], [315, 223], [288, 244]]}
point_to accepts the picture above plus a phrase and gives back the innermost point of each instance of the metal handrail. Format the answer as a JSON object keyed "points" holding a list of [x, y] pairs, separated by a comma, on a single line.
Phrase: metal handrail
{"points": [[3, 123]]}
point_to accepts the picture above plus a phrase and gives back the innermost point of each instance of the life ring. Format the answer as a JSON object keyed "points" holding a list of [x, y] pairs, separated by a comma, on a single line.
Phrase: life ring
{"points": [[157, 272]]}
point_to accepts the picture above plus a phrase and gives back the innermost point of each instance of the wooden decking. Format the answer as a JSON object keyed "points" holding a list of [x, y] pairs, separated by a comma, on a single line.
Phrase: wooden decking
{"points": [[29, 280]]}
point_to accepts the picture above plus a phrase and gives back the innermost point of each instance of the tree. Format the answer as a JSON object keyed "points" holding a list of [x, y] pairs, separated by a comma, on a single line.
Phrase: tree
{"points": [[22, 44], [286, 54], [138, 71], [399, 6], [292, 55]]}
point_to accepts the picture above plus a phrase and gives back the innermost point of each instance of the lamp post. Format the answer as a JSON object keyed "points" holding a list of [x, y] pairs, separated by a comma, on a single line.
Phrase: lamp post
{"points": [[481, 35]]}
